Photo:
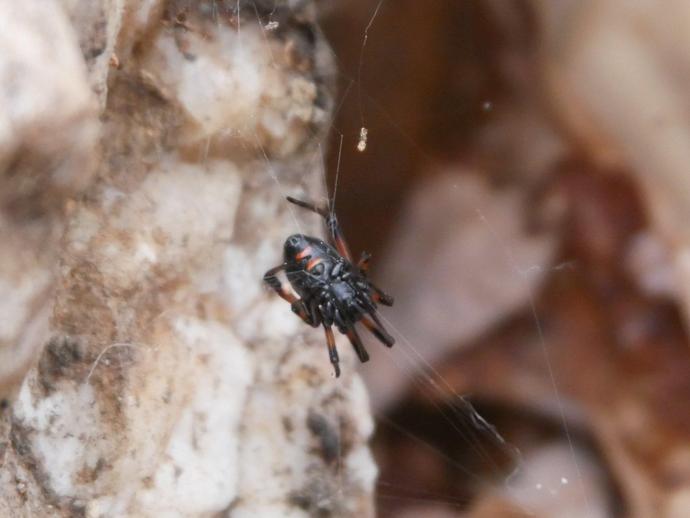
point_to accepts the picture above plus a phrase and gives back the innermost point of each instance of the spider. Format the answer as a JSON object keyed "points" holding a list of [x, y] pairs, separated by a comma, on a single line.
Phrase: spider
{"points": [[332, 290]]}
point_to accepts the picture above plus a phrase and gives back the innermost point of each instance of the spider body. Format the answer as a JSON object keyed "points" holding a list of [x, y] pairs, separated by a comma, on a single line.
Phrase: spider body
{"points": [[332, 290]]}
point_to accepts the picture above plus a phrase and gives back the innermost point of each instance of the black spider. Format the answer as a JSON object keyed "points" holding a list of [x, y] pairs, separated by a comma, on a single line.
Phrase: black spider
{"points": [[332, 290]]}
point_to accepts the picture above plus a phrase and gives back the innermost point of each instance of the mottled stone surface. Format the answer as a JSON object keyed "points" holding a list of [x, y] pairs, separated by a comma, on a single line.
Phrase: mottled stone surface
{"points": [[48, 134], [169, 382]]}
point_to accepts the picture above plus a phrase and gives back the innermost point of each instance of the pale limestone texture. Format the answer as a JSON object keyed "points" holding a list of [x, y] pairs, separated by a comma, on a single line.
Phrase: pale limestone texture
{"points": [[168, 381]]}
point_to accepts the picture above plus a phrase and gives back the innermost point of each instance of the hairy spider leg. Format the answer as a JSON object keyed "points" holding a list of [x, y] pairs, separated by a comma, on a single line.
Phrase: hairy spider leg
{"points": [[332, 351], [356, 342], [282, 289], [331, 223], [377, 329]]}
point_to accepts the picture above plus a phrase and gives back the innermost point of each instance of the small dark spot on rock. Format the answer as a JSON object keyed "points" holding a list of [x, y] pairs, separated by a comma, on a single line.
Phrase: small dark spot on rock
{"points": [[89, 474], [323, 99], [329, 440], [77, 509], [94, 52], [287, 425], [308, 32], [4, 404], [189, 56], [167, 395], [19, 436], [61, 356], [300, 500], [316, 498]]}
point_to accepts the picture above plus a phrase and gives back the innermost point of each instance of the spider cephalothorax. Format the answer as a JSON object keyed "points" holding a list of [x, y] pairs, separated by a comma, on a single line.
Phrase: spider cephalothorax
{"points": [[332, 290]]}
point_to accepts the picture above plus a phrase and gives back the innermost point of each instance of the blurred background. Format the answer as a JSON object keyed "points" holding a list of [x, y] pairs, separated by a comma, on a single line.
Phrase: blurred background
{"points": [[518, 169], [524, 193]]}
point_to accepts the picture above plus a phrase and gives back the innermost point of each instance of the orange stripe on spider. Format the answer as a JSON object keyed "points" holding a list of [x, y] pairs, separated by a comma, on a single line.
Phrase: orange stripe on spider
{"points": [[313, 263], [304, 253]]}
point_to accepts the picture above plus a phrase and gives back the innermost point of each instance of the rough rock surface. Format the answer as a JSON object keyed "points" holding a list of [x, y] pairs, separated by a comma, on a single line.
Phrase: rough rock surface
{"points": [[47, 137], [168, 382]]}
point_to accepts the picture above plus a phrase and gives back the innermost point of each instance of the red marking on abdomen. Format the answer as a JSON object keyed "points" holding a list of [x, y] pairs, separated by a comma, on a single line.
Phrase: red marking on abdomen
{"points": [[313, 263], [304, 253]]}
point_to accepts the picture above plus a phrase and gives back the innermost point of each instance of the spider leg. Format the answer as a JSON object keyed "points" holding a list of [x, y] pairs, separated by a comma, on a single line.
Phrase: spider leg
{"points": [[363, 263], [377, 329], [282, 289], [337, 236], [309, 206], [332, 351], [306, 313], [380, 296], [331, 223], [356, 342]]}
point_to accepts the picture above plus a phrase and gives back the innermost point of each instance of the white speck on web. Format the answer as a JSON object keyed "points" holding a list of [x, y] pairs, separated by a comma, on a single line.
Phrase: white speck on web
{"points": [[362, 144]]}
